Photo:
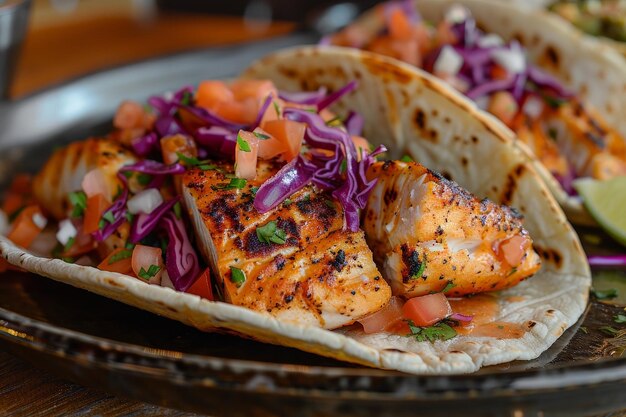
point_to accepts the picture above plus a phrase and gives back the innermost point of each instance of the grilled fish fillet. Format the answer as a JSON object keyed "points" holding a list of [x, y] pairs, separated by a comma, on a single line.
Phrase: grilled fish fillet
{"points": [[321, 276], [66, 168], [427, 232]]}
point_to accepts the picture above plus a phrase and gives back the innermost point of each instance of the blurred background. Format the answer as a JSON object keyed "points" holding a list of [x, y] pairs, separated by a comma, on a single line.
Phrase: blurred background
{"points": [[69, 38]]}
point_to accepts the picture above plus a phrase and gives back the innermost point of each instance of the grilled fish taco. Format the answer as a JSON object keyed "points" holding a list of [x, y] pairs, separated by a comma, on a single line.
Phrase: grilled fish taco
{"points": [[561, 92], [253, 207]]}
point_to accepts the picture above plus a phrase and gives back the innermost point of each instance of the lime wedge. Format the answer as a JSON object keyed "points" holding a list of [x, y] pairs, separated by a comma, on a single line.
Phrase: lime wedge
{"points": [[606, 202]]}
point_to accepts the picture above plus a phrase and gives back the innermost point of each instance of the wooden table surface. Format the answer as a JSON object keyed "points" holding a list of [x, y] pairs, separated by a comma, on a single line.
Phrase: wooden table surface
{"points": [[59, 46]]}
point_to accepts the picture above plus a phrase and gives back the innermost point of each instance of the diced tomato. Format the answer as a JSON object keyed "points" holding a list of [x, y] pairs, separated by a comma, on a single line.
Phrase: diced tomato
{"points": [[512, 250], [171, 146], [444, 34], [399, 25], [246, 157], [427, 309], [361, 145], [290, 133], [255, 89], [503, 105], [96, 206], [94, 183], [386, 318], [146, 258], [202, 286], [210, 93], [498, 72], [270, 147], [26, 226], [129, 115], [275, 110], [123, 265]]}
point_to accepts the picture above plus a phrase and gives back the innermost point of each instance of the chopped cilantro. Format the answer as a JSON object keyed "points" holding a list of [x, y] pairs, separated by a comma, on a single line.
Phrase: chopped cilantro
{"points": [[109, 217], [68, 259], [271, 234], [237, 276], [330, 204], [609, 330], [144, 179], [243, 144], [194, 162], [619, 318], [254, 190], [238, 183], [287, 202], [448, 286], [584, 330], [129, 216], [69, 244], [127, 174], [178, 210], [79, 201], [261, 136], [439, 331], [343, 167], [335, 121], [605, 294], [276, 108], [406, 158], [130, 245], [512, 271], [186, 99], [152, 271], [121, 255], [420, 271]]}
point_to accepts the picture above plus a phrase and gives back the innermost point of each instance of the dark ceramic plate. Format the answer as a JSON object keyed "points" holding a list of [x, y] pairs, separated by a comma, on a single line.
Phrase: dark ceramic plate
{"points": [[102, 343]]}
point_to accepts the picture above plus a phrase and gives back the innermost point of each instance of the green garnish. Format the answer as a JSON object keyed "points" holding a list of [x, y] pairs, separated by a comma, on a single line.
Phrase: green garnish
{"points": [[406, 158], [343, 167], [79, 201], [121, 255], [609, 330], [144, 179], [186, 99], [277, 108], [512, 271], [178, 210], [108, 216], [243, 144], [129, 216], [152, 271], [237, 276], [130, 245], [195, 162], [69, 244], [439, 331], [330, 204], [254, 190], [261, 136], [448, 286], [584, 330], [238, 183], [420, 271], [604, 294], [287, 202], [335, 121], [619, 318], [271, 234]]}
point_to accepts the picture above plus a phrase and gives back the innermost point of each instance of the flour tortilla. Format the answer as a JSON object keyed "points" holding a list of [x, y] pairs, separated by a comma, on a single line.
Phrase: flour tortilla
{"points": [[583, 63], [389, 96]]}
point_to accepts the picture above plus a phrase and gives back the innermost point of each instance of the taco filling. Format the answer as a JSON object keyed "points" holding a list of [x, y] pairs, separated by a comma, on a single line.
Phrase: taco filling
{"points": [[268, 200], [569, 138]]}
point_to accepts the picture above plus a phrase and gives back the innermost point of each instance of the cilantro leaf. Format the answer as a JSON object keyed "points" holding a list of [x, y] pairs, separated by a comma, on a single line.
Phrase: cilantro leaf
{"points": [[335, 121], [109, 217], [448, 286], [261, 136], [605, 294], [69, 244], [439, 331], [609, 330], [144, 179], [238, 183], [121, 255], [406, 158], [619, 318], [79, 201], [270, 233], [276, 108], [243, 144], [237, 276], [420, 270], [190, 161], [152, 271], [178, 210]]}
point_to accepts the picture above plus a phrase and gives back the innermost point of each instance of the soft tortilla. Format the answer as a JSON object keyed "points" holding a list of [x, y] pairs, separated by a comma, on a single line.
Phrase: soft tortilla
{"points": [[592, 69], [389, 96]]}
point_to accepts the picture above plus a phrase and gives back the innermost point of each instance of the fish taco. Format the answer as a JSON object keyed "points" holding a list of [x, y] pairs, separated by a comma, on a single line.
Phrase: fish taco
{"points": [[561, 92], [266, 207]]}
